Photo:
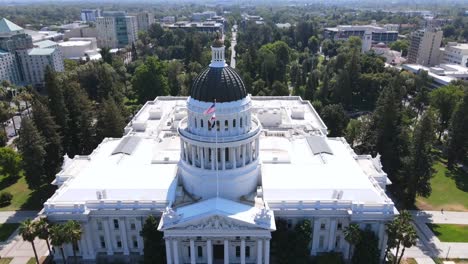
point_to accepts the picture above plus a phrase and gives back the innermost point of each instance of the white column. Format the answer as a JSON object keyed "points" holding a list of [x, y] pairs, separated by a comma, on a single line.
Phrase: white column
{"points": [[259, 252], [182, 149], [383, 238], [257, 147], [213, 161], [331, 236], [249, 151], [243, 251], [267, 251], [83, 248], [223, 158], [192, 252], [186, 152], [315, 237], [168, 251], [107, 235], [226, 251], [123, 234], [243, 154], [202, 159], [193, 155], [234, 157], [209, 250], [175, 249], [89, 239], [139, 238]]}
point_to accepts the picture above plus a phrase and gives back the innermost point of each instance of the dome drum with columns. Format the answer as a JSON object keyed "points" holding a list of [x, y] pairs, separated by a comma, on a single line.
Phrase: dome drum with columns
{"points": [[221, 155]]}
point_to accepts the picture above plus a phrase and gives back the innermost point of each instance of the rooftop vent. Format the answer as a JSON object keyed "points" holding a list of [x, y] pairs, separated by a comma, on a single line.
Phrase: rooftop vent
{"points": [[127, 145]]}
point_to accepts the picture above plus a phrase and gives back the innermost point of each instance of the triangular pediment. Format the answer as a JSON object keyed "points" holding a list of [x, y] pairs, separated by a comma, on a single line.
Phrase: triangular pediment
{"points": [[215, 222]]}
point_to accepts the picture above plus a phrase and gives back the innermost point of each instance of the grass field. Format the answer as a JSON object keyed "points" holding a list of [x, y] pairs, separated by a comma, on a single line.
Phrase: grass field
{"points": [[23, 197], [5, 260], [450, 233], [449, 190], [6, 230]]}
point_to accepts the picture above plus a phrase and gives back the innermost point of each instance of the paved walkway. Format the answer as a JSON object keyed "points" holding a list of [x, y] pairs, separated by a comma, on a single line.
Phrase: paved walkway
{"points": [[14, 247], [429, 245], [16, 216]]}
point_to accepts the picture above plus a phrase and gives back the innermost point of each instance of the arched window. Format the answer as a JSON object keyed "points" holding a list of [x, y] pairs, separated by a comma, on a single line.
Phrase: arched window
{"points": [[240, 122], [233, 123], [209, 125], [200, 252], [226, 125], [201, 123], [217, 125]]}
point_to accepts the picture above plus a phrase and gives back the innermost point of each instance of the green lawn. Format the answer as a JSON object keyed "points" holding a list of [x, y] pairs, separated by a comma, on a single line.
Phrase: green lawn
{"points": [[23, 197], [31, 261], [449, 232], [5, 260], [6, 230], [449, 190]]}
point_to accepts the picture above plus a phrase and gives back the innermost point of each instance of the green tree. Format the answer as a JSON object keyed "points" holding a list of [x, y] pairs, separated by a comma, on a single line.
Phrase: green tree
{"points": [[279, 89], [445, 100], [49, 130], [352, 234], [58, 237], [106, 55], [174, 69], [335, 118], [401, 233], [110, 120], [401, 46], [457, 144], [81, 121], [353, 131], [42, 230], [367, 249], [56, 102], [291, 244], [313, 44], [150, 80], [28, 233], [153, 241], [32, 145], [418, 165], [10, 163], [73, 234]]}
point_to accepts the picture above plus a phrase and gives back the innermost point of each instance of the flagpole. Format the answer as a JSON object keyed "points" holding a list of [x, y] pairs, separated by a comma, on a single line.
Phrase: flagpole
{"points": [[216, 147]]}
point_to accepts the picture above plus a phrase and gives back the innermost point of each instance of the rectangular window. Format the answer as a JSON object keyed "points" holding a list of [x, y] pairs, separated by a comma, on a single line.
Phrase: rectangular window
{"points": [[226, 125], [134, 242], [289, 222], [238, 251], [247, 252], [132, 225], [339, 226], [189, 253], [116, 223], [322, 226], [119, 241], [102, 242], [200, 251], [99, 225], [337, 242]]}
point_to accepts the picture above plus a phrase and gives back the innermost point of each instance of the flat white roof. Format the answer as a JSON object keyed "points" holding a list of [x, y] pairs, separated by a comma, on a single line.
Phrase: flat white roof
{"points": [[72, 43]]}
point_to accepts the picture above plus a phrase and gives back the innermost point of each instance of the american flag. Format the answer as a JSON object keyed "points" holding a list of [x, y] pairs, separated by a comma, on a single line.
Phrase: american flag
{"points": [[210, 110]]}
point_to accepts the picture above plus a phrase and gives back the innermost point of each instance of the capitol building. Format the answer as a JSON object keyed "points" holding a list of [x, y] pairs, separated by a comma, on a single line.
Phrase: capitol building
{"points": [[218, 175]]}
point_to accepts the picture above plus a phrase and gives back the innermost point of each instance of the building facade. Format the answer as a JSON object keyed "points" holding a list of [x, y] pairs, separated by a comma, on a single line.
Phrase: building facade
{"points": [[379, 34], [116, 29], [144, 20], [424, 47], [455, 53], [90, 15], [25, 61], [219, 168]]}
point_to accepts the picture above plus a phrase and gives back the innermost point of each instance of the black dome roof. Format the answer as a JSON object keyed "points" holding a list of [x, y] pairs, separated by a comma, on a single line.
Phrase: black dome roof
{"points": [[223, 84]]}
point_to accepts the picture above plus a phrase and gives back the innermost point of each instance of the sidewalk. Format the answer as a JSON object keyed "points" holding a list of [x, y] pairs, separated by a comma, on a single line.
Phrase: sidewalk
{"points": [[429, 243], [16, 216]]}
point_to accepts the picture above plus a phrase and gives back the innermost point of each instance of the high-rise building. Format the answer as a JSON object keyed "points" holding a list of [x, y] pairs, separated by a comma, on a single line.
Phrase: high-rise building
{"points": [[90, 15], [116, 29], [144, 20], [424, 46], [24, 62]]}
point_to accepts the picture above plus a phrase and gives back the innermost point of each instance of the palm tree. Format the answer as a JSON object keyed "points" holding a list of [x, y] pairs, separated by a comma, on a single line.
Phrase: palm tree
{"points": [[27, 231], [74, 232], [352, 234], [409, 240], [58, 238], [42, 229]]}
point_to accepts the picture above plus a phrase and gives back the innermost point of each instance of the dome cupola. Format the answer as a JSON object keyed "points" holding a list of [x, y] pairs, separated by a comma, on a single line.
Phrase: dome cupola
{"points": [[218, 80]]}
